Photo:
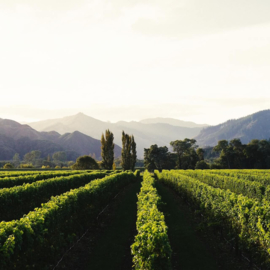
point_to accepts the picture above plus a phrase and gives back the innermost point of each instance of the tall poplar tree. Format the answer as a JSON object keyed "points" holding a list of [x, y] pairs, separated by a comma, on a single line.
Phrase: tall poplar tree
{"points": [[133, 153], [129, 154], [107, 150], [125, 152]]}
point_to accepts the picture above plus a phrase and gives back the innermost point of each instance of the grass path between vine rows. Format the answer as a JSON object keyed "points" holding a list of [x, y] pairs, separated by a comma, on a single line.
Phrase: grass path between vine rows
{"points": [[191, 249], [107, 244]]}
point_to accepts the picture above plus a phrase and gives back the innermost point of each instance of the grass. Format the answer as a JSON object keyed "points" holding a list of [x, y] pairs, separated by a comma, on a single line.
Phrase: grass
{"points": [[189, 252], [112, 251]]}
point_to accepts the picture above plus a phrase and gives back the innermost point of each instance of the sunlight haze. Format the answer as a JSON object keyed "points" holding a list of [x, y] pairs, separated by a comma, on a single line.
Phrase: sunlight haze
{"points": [[202, 61]]}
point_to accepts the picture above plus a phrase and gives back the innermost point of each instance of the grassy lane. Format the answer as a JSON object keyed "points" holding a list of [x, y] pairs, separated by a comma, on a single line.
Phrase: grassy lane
{"points": [[191, 251], [107, 244], [113, 248]]}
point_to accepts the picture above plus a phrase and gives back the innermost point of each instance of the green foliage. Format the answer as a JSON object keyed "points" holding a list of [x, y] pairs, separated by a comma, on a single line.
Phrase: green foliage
{"points": [[158, 158], [186, 154], [37, 238], [19, 200], [200, 153], [8, 166], [239, 185], [32, 156], [16, 159], [107, 150], [151, 249], [26, 166], [11, 180], [129, 153], [202, 165], [235, 155], [58, 156], [85, 163], [133, 153], [125, 151], [244, 220]]}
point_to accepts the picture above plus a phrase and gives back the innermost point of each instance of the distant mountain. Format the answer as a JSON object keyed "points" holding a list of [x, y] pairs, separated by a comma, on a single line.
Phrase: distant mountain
{"points": [[17, 138], [78, 122], [254, 126], [145, 134], [83, 144], [15, 130], [172, 121]]}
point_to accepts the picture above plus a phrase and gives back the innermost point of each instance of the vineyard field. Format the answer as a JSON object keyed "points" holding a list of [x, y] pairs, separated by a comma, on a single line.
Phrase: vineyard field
{"points": [[239, 209], [56, 220]]}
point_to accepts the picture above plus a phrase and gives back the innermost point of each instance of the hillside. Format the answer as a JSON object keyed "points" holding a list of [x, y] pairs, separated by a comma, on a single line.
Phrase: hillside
{"points": [[15, 130], [17, 138], [172, 121], [145, 134], [254, 126]]}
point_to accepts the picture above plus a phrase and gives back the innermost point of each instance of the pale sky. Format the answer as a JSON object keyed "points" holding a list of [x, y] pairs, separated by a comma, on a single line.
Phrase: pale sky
{"points": [[203, 61]]}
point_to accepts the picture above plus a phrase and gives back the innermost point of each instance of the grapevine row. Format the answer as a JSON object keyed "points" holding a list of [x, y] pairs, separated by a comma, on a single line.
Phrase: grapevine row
{"points": [[251, 175], [51, 228], [245, 221], [248, 188], [10, 181], [151, 249], [19, 200]]}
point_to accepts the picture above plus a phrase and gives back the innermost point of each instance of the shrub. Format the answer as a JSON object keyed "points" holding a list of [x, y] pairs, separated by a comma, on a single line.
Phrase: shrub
{"points": [[202, 165], [8, 166], [26, 166]]}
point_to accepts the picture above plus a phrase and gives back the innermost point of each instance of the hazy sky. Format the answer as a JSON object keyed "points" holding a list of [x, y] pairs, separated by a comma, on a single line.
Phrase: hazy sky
{"points": [[203, 61]]}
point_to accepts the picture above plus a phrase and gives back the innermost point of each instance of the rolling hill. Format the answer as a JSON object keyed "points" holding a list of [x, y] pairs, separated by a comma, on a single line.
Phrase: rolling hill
{"points": [[17, 138], [254, 126], [145, 134], [172, 121]]}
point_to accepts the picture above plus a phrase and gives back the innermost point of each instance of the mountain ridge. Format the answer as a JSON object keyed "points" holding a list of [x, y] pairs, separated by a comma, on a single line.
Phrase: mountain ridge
{"points": [[17, 138], [145, 134], [172, 121], [253, 126]]}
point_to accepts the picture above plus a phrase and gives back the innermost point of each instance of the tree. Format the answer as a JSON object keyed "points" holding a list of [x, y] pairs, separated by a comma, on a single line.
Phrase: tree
{"points": [[129, 153], [8, 166], [107, 150], [231, 154], [16, 160], [60, 156], [158, 158], [237, 157], [225, 153], [85, 163], [126, 156], [257, 154], [202, 165], [70, 163], [200, 153], [32, 156], [186, 155], [133, 157]]}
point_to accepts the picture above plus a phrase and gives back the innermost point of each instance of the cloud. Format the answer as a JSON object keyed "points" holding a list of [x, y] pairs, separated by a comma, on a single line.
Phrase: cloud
{"points": [[195, 17]]}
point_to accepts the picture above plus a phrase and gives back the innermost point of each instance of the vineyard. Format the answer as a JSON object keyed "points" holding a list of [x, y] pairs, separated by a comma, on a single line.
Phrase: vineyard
{"points": [[75, 219]]}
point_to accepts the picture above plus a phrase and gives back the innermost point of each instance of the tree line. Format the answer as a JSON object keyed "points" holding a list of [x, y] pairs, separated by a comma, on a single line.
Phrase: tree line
{"points": [[235, 155], [128, 156], [225, 155], [186, 155]]}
